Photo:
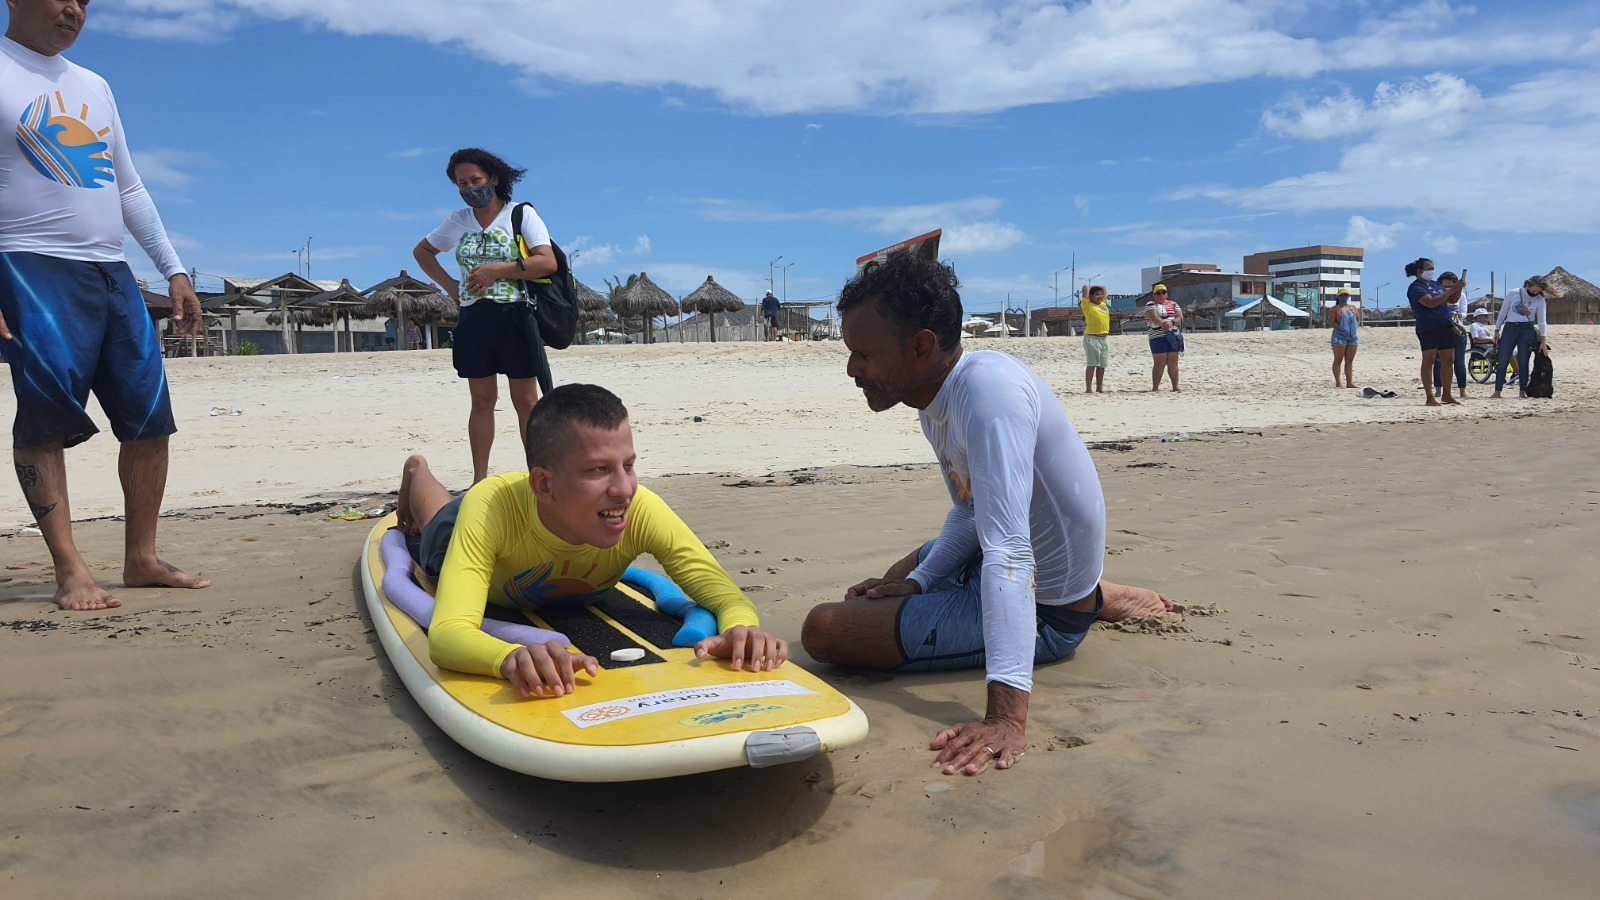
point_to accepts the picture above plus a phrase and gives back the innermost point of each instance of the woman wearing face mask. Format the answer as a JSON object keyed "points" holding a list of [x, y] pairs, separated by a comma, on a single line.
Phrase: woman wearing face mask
{"points": [[1457, 317], [1346, 322], [494, 335], [1430, 305], [1520, 323]]}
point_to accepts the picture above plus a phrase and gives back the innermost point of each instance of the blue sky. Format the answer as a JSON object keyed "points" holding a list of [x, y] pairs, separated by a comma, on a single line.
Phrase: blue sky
{"points": [[706, 138]]}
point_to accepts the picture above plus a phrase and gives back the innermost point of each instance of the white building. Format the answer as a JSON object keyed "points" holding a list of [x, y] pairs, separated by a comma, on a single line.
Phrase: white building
{"points": [[1323, 267]]}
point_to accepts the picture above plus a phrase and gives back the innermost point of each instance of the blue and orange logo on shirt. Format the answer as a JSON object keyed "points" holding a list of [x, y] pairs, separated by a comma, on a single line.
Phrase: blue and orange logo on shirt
{"points": [[542, 587], [62, 148]]}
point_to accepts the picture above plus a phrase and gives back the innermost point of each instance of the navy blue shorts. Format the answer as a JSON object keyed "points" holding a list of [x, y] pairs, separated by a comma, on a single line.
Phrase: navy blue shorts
{"points": [[494, 339], [942, 627], [79, 327], [1167, 343]]}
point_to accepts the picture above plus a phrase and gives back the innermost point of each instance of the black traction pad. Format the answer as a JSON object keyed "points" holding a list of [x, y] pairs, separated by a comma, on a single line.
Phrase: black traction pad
{"points": [[597, 636]]}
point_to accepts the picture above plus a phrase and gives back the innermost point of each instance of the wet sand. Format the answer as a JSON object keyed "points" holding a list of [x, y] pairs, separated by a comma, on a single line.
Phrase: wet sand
{"points": [[1393, 693]]}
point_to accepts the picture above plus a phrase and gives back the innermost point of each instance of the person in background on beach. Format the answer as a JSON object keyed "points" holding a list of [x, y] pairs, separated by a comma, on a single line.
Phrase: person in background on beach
{"points": [[414, 336], [1013, 579], [1522, 312], [1458, 319], [769, 315], [1479, 332], [391, 333], [495, 333], [561, 533], [1346, 337], [1430, 304], [1166, 336], [1096, 346], [72, 318]]}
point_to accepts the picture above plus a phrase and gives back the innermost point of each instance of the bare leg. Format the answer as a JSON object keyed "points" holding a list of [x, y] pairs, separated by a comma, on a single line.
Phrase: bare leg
{"points": [[1427, 374], [480, 424], [1338, 357], [1349, 365], [524, 394], [1088, 379], [1158, 364], [1100, 380], [855, 632], [42, 472], [142, 466], [1126, 602], [421, 495], [1172, 370]]}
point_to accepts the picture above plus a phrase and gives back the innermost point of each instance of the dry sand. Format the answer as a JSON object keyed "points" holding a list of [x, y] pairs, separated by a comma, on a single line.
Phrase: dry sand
{"points": [[1394, 691]]}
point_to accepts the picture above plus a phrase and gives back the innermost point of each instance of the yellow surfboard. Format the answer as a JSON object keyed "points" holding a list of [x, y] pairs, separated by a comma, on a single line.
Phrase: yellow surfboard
{"points": [[663, 715]]}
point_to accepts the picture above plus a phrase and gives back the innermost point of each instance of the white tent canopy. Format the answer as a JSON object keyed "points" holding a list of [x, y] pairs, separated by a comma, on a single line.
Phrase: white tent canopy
{"points": [[1278, 309]]}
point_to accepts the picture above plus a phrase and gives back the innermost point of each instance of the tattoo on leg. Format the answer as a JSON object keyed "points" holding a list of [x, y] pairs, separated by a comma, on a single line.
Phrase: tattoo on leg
{"points": [[27, 475], [39, 512]]}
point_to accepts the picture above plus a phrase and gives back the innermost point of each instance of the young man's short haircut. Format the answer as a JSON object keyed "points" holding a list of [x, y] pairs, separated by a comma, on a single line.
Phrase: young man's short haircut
{"points": [[913, 293], [550, 435]]}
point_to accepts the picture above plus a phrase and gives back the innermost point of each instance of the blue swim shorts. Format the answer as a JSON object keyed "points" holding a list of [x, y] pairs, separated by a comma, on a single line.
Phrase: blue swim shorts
{"points": [[79, 327], [942, 627]]}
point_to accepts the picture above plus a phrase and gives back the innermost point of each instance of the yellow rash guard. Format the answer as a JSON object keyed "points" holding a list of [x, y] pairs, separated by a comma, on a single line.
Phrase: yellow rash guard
{"points": [[500, 550]]}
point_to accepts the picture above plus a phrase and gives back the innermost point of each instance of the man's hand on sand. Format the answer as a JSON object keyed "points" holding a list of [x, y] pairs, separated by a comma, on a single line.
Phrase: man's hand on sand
{"points": [[883, 589], [185, 305], [743, 644], [546, 670], [969, 748]]}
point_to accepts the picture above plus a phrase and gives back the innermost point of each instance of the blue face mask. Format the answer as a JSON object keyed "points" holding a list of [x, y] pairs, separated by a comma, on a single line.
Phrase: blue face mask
{"points": [[479, 196]]}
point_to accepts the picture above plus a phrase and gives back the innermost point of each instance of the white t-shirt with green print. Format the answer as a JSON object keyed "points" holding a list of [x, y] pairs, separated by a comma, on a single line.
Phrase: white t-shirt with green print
{"points": [[475, 246]]}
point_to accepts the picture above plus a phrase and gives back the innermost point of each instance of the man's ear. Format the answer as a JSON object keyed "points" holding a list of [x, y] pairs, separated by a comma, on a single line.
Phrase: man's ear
{"points": [[539, 480], [924, 343]]}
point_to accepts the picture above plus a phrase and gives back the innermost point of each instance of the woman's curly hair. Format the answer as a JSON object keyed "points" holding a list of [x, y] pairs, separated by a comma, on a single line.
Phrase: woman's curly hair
{"points": [[493, 166]]}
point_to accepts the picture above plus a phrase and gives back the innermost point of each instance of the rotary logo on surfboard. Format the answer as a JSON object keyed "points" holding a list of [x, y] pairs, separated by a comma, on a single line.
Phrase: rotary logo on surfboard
{"points": [[628, 707], [731, 713]]}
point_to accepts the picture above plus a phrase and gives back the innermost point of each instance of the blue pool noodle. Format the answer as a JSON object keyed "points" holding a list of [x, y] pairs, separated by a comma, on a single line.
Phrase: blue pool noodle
{"points": [[698, 622]]}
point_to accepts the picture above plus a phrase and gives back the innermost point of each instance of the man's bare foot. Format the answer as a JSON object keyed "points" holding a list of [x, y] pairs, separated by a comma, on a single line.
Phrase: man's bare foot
{"points": [[1431, 402], [161, 574], [1451, 401], [1125, 602], [1496, 396], [84, 593]]}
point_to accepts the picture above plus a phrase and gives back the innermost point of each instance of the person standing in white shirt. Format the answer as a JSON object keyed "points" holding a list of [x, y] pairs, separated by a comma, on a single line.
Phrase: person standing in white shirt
{"points": [[72, 317], [1521, 320]]}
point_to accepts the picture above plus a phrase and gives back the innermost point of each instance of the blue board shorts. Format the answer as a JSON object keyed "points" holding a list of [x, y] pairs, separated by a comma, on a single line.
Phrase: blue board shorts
{"points": [[942, 627], [79, 327]]}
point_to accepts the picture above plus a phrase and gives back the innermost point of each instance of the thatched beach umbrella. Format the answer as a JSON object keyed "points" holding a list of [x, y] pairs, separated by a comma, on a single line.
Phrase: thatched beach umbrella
{"points": [[1572, 293], [589, 299], [712, 298], [643, 298], [407, 298]]}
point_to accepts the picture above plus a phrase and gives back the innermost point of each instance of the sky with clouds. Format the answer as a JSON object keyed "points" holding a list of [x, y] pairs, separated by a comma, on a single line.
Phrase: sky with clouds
{"points": [[689, 138]]}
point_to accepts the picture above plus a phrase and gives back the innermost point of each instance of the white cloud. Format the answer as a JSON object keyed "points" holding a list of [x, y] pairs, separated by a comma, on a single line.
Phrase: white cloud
{"points": [[1435, 104], [1081, 204], [968, 224], [1523, 161], [585, 253], [1442, 244], [949, 56], [1372, 236], [163, 167], [414, 152]]}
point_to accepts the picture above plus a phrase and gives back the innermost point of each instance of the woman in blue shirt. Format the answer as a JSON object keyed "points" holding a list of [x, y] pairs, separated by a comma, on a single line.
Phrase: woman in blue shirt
{"points": [[1430, 305]]}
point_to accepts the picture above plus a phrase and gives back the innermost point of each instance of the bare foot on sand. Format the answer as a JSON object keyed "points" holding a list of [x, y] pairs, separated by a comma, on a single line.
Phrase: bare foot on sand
{"points": [[83, 592], [1125, 602], [162, 574]]}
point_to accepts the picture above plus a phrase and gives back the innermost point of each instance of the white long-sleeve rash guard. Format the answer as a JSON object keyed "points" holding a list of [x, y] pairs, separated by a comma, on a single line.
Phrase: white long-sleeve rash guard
{"points": [[68, 187], [1024, 491]]}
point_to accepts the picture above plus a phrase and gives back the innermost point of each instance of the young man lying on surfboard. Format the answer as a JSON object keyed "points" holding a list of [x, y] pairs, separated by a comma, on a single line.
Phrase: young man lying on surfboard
{"points": [[561, 533], [1013, 579]]}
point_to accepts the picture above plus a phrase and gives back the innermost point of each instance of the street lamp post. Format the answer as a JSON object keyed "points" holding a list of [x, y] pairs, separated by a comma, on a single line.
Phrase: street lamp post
{"points": [[1055, 279], [299, 262], [785, 269], [1377, 295], [308, 257], [771, 277]]}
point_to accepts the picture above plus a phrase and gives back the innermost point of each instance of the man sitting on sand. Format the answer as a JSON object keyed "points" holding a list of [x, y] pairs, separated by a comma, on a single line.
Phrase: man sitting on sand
{"points": [[1013, 580], [561, 533]]}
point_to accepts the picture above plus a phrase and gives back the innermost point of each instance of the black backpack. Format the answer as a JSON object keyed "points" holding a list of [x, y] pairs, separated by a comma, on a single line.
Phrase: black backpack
{"points": [[1541, 381], [554, 299]]}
